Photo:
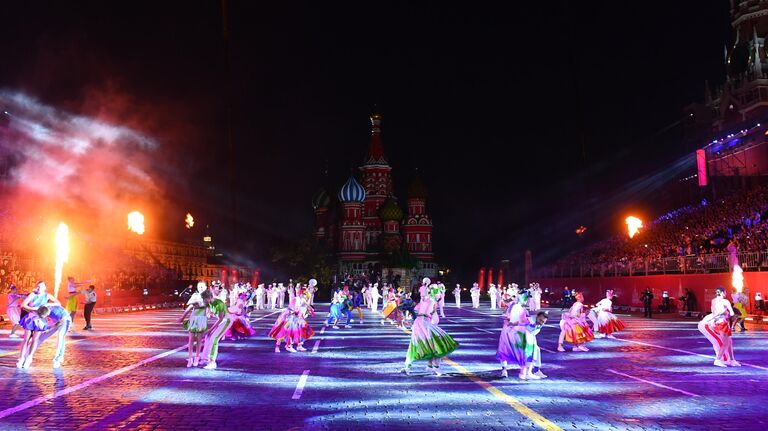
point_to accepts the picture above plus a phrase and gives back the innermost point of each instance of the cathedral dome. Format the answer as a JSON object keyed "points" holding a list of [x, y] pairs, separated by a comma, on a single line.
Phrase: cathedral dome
{"points": [[352, 191], [417, 189], [390, 211]]}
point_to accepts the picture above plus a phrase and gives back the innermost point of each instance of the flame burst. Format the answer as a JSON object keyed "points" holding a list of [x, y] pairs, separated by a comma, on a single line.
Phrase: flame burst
{"points": [[737, 278], [633, 225], [189, 221], [136, 222], [62, 254]]}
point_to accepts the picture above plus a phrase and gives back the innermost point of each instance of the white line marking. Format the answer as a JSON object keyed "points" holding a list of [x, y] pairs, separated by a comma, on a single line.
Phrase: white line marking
{"points": [[85, 384], [653, 383], [685, 351], [484, 330], [314, 348], [547, 350], [322, 331], [300, 387]]}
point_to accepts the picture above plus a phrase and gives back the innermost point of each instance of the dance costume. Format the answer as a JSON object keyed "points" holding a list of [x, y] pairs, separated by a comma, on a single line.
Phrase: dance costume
{"points": [[607, 322], [475, 293], [241, 326], [340, 307], [390, 311], [197, 321], [60, 323], [518, 345], [574, 328], [428, 340], [292, 326], [14, 307], [457, 296], [492, 295], [211, 346], [716, 327]]}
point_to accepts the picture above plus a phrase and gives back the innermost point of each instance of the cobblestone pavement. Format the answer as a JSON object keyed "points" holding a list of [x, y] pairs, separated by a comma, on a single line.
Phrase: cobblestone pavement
{"points": [[128, 374]]}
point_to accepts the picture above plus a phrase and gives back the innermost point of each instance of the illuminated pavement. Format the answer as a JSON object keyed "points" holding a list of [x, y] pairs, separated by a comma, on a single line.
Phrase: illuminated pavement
{"points": [[126, 375]]}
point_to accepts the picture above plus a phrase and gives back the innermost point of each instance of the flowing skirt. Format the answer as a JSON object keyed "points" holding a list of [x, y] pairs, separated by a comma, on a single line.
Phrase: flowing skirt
{"points": [[14, 314], [428, 341], [388, 309], [241, 328], [608, 323], [518, 346], [291, 328], [577, 331], [32, 322]]}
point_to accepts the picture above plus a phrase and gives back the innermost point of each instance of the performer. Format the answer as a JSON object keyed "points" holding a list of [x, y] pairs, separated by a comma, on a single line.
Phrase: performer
{"points": [[216, 332], [428, 341], [716, 327], [534, 302], [605, 322], [407, 309], [375, 296], [356, 304], [14, 308], [35, 322], [457, 295], [195, 322], [311, 290], [475, 293], [260, 296], [740, 308], [517, 342], [390, 311], [340, 305], [61, 324], [281, 295], [272, 291], [424, 288], [365, 291], [241, 326], [492, 295], [647, 298], [441, 304], [292, 327], [574, 328]]}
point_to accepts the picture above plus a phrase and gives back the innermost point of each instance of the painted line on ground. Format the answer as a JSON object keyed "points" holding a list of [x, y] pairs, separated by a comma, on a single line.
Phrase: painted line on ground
{"points": [[511, 401], [690, 394], [322, 331], [316, 346], [87, 383], [300, 386], [484, 330]]}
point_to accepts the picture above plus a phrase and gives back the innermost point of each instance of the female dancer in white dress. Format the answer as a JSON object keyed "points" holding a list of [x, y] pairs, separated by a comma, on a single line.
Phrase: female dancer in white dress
{"points": [[716, 326]]}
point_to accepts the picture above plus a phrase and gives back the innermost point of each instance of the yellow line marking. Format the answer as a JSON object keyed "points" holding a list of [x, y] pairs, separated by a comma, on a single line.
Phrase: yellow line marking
{"points": [[511, 401]]}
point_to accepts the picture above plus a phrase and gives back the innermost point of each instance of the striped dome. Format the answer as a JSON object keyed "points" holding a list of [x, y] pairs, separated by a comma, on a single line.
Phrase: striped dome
{"points": [[321, 199], [417, 189], [390, 211], [352, 191]]}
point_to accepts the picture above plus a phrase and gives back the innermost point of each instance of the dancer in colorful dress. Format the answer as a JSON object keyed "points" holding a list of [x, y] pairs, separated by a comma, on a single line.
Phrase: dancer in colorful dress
{"points": [[195, 321], [14, 308], [340, 307], [716, 327], [457, 295], [35, 322], [292, 326], [574, 327], [60, 322], [517, 342], [241, 326], [428, 341], [534, 301], [390, 312], [475, 294], [357, 304], [311, 290], [740, 308], [605, 322], [216, 332]]}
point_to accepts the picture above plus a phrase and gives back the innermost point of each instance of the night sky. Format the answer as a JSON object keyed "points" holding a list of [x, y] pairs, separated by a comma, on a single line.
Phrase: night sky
{"points": [[520, 119]]}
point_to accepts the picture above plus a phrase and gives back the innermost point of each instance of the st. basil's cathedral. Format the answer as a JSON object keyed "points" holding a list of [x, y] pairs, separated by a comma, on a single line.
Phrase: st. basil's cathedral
{"points": [[366, 228]]}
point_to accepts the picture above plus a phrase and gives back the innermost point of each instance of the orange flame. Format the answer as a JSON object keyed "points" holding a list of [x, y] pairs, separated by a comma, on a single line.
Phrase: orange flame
{"points": [[62, 255], [633, 225], [189, 221], [136, 222]]}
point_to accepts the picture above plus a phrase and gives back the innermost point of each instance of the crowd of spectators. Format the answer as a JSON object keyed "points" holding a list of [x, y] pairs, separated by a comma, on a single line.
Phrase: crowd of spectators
{"points": [[734, 224]]}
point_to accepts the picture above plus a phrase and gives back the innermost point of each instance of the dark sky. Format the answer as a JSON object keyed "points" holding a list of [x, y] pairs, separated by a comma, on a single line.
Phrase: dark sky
{"points": [[515, 115]]}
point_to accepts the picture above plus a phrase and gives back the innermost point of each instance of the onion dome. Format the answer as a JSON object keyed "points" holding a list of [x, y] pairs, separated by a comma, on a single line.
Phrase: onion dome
{"points": [[417, 189], [390, 211], [352, 191], [321, 199]]}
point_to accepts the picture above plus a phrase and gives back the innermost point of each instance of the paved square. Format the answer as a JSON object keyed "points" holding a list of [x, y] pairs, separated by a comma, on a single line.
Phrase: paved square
{"points": [[129, 373]]}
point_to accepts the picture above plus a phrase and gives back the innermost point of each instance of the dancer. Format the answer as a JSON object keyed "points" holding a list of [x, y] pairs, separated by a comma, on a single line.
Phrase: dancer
{"points": [[716, 327], [241, 326], [407, 309], [260, 297], [356, 304], [311, 290], [340, 305], [216, 332], [574, 328], [61, 324], [517, 342], [605, 322], [34, 323], [365, 291], [441, 303], [292, 326], [72, 294], [740, 308], [475, 294], [492, 295], [281, 295], [195, 322], [390, 312], [428, 341], [457, 295], [14, 308]]}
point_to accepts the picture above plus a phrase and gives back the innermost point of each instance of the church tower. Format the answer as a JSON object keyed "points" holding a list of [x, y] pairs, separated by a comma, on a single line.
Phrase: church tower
{"points": [[377, 181]]}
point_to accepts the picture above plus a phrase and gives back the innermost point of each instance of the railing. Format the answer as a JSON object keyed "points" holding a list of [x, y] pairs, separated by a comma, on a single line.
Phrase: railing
{"points": [[701, 264]]}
